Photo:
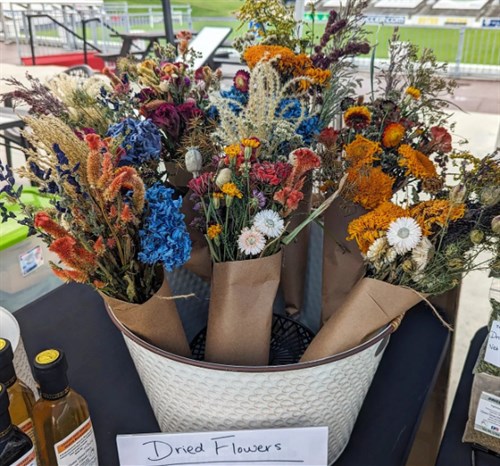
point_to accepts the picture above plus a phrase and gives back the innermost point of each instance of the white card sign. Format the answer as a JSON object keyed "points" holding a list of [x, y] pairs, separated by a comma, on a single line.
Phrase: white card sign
{"points": [[284, 447], [492, 354]]}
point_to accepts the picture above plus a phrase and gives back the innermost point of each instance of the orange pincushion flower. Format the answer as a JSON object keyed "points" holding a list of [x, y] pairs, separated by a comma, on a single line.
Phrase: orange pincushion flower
{"points": [[369, 186], [416, 163], [214, 230], [362, 151], [371, 226], [413, 92], [436, 212], [358, 117], [393, 134]]}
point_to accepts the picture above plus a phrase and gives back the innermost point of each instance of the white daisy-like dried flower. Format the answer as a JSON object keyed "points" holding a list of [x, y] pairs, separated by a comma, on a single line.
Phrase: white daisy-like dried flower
{"points": [[422, 253], [377, 250], [251, 241], [390, 256], [269, 223], [404, 234]]}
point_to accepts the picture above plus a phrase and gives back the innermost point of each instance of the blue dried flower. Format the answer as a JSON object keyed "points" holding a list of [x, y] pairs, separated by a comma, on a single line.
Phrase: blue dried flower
{"points": [[289, 109], [309, 128], [164, 237], [236, 95], [141, 140]]}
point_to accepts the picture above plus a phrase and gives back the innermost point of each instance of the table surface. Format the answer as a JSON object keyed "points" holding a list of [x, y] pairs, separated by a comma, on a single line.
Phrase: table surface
{"points": [[73, 318], [453, 451]]}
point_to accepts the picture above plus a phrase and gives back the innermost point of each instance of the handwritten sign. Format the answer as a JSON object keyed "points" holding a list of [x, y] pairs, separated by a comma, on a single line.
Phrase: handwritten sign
{"points": [[492, 354], [284, 447]]}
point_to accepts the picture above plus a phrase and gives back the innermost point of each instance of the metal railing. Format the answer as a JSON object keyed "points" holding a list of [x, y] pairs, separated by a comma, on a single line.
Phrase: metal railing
{"points": [[71, 33], [469, 51]]}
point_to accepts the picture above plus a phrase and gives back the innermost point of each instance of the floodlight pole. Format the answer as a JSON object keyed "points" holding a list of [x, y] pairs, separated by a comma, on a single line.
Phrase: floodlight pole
{"points": [[167, 20]]}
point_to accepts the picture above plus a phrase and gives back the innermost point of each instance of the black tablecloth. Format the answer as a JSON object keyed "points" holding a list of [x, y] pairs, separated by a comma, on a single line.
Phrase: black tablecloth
{"points": [[73, 318], [453, 451]]}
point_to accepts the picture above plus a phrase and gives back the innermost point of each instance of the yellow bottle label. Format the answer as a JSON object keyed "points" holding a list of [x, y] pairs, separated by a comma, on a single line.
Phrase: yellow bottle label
{"points": [[78, 448], [47, 356], [29, 459], [3, 344]]}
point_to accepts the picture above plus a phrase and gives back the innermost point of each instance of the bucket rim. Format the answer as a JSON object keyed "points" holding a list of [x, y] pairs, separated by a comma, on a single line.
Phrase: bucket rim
{"points": [[379, 336]]}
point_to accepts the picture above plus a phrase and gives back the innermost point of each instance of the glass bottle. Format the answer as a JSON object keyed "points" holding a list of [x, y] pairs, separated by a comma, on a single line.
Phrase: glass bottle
{"points": [[20, 396], [64, 433], [16, 448]]}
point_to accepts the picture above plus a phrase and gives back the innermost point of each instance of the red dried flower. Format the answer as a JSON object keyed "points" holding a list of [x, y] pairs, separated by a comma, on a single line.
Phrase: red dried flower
{"points": [[241, 80], [99, 246], [441, 139], [328, 137], [272, 173], [289, 198], [200, 184]]}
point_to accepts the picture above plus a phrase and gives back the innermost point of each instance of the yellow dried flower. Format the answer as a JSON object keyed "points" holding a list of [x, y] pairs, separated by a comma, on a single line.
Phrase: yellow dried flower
{"points": [[214, 230], [250, 142], [413, 92], [232, 150], [476, 236], [231, 190]]}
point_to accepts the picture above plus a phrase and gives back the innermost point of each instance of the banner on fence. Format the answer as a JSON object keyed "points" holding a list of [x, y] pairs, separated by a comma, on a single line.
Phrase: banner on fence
{"points": [[385, 19]]}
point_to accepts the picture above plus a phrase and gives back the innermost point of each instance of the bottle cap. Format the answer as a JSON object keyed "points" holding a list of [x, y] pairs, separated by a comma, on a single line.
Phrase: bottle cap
{"points": [[50, 369], [7, 372]]}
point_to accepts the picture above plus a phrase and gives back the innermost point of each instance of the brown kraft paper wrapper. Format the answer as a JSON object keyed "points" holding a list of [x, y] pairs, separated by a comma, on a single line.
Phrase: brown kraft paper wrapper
{"points": [[343, 264], [369, 306], [293, 272], [155, 321], [241, 311]]}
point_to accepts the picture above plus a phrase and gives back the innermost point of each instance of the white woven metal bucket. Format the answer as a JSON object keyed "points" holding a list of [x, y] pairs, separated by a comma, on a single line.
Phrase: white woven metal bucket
{"points": [[189, 396], [9, 329]]}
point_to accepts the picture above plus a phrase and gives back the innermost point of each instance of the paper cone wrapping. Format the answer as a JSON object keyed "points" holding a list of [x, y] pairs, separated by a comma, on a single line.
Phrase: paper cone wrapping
{"points": [[293, 272], [371, 305], [178, 176], [343, 264], [155, 321], [241, 311]]}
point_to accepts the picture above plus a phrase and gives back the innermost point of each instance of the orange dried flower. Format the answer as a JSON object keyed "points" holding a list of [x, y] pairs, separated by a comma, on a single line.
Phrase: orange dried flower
{"points": [[99, 246], [67, 275], [369, 186], [371, 226], [49, 226], [393, 134], [436, 212], [416, 163], [362, 151], [98, 284], [287, 60], [214, 230], [126, 215]]}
